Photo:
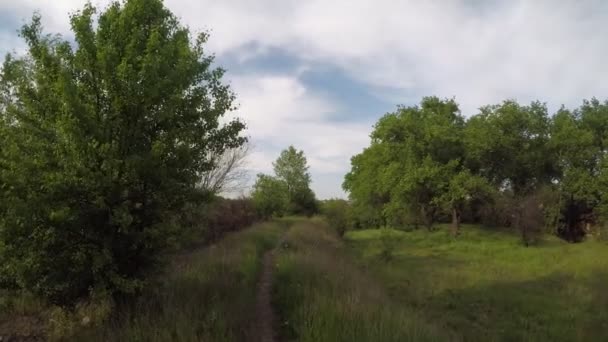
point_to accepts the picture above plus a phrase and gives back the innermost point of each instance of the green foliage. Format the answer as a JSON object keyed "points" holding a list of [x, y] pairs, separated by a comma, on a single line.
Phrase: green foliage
{"points": [[507, 143], [510, 164], [578, 142], [292, 168], [365, 185], [338, 214], [270, 196], [288, 192], [414, 154], [102, 143]]}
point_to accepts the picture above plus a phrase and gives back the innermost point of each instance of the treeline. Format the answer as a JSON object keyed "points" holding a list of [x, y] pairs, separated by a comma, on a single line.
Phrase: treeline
{"points": [[509, 165]]}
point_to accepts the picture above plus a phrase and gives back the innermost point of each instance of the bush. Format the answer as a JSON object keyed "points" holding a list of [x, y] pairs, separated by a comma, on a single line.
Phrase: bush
{"points": [[270, 196], [228, 215], [209, 222], [303, 203], [337, 212], [531, 214], [388, 243]]}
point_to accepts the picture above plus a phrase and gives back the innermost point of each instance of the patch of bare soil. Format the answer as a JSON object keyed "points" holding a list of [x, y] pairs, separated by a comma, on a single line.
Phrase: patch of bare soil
{"points": [[265, 316]]}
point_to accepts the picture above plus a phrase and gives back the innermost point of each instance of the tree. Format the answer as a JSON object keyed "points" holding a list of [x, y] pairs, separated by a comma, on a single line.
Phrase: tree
{"points": [[463, 188], [507, 144], [103, 143], [292, 168], [511, 165], [577, 141], [270, 196], [413, 155], [367, 190]]}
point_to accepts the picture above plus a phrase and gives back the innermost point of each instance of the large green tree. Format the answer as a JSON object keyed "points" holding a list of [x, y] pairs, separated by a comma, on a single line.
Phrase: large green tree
{"points": [[292, 168], [366, 188], [578, 141], [413, 155], [103, 142], [508, 144]]}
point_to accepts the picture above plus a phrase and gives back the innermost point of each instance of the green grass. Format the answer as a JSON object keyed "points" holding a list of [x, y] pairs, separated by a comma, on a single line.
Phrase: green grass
{"points": [[373, 285], [322, 295], [207, 295], [485, 286]]}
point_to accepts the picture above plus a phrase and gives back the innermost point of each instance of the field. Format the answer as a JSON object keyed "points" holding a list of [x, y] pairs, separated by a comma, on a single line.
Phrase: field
{"points": [[386, 285], [372, 285]]}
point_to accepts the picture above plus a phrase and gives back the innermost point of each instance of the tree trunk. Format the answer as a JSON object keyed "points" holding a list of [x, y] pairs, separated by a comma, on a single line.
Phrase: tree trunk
{"points": [[427, 216], [522, 227], [455, 222]]}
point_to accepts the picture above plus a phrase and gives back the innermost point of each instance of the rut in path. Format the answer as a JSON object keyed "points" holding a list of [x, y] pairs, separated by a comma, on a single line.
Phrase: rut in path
{"points": [[264, 313]]}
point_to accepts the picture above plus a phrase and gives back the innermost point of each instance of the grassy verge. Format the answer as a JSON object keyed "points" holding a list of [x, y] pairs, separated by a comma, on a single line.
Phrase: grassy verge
{"points": [[486, 286], [322, 295], [206, 295]]}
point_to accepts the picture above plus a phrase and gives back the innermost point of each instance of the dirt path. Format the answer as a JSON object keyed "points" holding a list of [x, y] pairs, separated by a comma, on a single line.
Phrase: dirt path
{"points": [[264, 312]]}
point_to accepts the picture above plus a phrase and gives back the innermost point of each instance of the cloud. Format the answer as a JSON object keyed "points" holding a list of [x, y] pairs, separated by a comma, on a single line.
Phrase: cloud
{"points": [[479, 52], [281, 111]]}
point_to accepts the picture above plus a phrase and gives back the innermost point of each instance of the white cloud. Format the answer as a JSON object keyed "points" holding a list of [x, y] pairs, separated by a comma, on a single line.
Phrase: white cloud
{"points": [[552, 50], [480, 52], [280, 111]]}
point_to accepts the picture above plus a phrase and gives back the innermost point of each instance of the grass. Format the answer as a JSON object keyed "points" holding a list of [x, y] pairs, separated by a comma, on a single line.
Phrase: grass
{"points": [[206, 295], [373, 285], [485, 286], [322, 295]]}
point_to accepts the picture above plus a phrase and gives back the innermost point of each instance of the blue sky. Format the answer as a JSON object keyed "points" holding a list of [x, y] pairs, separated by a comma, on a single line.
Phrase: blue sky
{"points": [[318, 74]]}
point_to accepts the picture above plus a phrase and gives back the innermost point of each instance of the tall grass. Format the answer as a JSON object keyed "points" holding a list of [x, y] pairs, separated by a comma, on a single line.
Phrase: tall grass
{"points": [[322, 295], [206, 295], [486, 286]]}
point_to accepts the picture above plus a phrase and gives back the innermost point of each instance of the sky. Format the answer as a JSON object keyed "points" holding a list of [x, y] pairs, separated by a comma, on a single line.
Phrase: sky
{"points": [[318, 74]]}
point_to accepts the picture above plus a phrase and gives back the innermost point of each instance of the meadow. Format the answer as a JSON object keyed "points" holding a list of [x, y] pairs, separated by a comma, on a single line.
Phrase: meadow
{"points": [[389, 285], [370, 285], [321, 294]]}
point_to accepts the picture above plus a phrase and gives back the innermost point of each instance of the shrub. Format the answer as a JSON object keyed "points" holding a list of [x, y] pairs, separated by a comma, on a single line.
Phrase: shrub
{"points": [[228, 215], [209, 222], [337, 213], [303, 202], [270, 196]]}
